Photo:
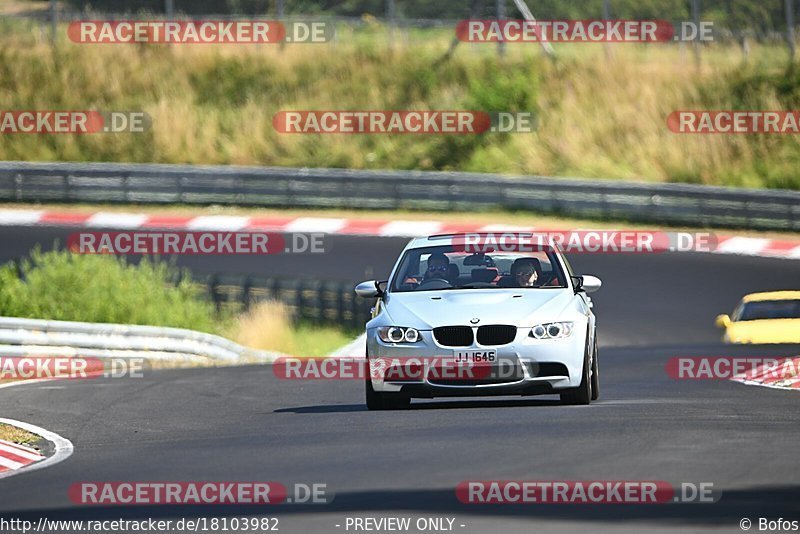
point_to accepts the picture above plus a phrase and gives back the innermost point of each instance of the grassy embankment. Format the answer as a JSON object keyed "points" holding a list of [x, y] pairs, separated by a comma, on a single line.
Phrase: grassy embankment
{"points": [[106, 289], [598, 117]]}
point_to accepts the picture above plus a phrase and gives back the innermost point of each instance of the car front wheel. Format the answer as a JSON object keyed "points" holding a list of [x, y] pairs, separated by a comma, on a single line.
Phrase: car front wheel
{"points": [[377, 400], [584, 393], [595, 374]]}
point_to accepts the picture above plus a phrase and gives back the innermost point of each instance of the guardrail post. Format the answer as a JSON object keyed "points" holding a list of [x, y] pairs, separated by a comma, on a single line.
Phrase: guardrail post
{"points": [[125, 185], [245, 297], [319, 303], [339, 305], [298, 300], [54, 22], [179, 183], [213, 283]]}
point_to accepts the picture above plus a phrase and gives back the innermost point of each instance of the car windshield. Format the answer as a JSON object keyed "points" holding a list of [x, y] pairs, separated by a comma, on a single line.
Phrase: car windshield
{"points": [[768, 309], [442, 267]]}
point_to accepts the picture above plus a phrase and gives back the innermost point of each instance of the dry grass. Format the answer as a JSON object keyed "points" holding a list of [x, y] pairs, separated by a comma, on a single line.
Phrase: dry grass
{"points": [[598, 117], [17, 435], [267, 326], [22, 7]]}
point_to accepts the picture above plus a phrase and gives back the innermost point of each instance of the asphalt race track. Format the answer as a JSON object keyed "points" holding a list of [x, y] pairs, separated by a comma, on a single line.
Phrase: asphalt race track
{"points": [[244, 424]]}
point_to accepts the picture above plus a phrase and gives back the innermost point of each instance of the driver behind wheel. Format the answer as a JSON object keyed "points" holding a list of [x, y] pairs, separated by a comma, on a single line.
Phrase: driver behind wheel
{"points": [[438, 267]]}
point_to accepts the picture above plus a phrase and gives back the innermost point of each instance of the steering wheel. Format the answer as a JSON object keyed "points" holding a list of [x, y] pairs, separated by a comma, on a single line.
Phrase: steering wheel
{"points": [[434, 283]]}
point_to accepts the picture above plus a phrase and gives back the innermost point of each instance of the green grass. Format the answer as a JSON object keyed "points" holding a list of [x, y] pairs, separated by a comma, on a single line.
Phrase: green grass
{"points": [[316, 340], [598, 116], [62, 286], [59, 285]]}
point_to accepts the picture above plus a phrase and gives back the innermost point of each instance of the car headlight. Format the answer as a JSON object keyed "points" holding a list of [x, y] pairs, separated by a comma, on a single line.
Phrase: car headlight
{"points": [[398, 334], [551, 330]]}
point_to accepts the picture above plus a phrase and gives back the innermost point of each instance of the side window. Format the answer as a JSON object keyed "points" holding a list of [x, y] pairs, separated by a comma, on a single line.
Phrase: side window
{"points": [[407, 268]]}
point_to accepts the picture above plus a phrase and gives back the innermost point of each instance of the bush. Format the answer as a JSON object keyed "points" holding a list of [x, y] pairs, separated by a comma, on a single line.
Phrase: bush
{"points": [[104, 289]]}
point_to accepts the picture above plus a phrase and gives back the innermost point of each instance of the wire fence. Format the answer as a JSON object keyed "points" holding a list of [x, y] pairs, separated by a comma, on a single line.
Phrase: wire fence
{"points": [[771, 22]]}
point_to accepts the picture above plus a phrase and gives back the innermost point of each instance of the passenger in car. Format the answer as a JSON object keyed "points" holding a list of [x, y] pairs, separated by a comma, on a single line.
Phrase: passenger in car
{"points": [[524, 273]]}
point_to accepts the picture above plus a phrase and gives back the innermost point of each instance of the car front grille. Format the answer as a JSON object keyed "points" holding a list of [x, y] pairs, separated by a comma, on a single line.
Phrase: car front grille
{"points": [[496, 334], [453, 336]]}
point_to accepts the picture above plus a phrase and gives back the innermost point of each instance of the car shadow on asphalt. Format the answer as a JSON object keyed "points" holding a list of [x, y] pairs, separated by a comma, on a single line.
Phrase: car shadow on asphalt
{"points": [[426, 405]]}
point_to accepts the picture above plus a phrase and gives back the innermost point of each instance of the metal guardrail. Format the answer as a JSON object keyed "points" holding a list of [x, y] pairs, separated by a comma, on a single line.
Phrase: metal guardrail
{"points": [[678, 204], [24, 337]]}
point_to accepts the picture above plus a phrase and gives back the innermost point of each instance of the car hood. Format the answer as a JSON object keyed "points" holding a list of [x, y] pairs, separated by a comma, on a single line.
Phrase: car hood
{"points": [[525, 307], [765, 331]]}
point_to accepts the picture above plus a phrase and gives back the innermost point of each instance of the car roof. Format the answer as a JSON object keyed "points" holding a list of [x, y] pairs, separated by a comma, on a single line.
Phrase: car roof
{"points": [[449, 239], [772, 295]]}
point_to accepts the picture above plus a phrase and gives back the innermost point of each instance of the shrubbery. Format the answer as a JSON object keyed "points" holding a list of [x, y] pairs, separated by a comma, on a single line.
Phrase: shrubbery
{"points": [[62, 286], [105, 289]]}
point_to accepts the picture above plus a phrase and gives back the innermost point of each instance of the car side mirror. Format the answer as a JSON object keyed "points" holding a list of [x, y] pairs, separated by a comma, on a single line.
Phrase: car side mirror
{"points": [[586, 283], [371, 289], [722, 321]]}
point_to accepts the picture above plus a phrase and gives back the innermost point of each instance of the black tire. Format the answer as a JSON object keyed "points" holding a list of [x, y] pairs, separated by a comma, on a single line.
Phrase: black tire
{"points": [[581, 395], [384, 401], [595, 373]]}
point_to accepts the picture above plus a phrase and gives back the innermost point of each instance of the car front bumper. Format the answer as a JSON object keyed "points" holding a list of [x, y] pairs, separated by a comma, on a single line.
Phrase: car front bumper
{"points": [[542, 366]]}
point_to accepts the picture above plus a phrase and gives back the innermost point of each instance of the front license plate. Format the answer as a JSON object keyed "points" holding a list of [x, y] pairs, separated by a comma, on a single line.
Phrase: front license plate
{"points": [[474, 356]]}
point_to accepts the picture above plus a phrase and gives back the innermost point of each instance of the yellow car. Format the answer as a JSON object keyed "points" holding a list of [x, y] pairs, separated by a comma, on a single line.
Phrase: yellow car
{"points": [[772, 317]]}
